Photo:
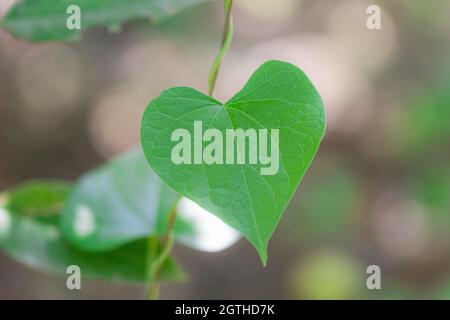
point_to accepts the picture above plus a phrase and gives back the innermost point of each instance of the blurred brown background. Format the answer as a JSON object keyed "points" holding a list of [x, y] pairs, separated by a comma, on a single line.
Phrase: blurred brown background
{"points": [[377, 193]]}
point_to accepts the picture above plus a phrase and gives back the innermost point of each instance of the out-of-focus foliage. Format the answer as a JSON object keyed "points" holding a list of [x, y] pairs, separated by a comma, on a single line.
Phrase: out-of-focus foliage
{"points": [[30, 234], [101, 223], [45, 20], [120, 202]]}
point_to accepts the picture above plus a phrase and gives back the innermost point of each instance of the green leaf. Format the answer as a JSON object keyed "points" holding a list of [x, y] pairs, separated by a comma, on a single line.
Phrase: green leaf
{"points": [[46, 20], [278, 96], [29, 233], [39, 200], [123, 201]]}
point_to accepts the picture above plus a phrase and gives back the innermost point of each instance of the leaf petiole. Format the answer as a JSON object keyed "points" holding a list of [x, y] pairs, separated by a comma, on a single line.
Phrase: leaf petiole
{"points": [[226, 43]]}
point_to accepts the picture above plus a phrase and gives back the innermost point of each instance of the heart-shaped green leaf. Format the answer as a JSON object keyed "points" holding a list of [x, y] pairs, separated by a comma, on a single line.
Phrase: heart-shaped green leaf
{"points": [[248, 197], [45, 20], [123, 201], [29, 233]]}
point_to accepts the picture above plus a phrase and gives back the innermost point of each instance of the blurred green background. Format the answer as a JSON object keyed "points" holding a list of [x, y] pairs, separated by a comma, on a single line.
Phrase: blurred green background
{"points": [[377, 193]]}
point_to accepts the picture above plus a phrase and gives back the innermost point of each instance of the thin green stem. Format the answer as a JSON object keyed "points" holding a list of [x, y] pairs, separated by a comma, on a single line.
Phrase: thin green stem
{"points": [[157, 255], [152, 292], [226, 43]]}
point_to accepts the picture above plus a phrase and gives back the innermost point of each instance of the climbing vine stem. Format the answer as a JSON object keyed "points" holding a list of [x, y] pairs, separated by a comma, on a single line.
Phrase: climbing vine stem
{"points": [[226, 43], [158, 253]]}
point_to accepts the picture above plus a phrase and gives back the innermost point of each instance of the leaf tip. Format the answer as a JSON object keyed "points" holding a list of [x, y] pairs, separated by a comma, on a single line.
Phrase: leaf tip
{"points": [[263, 256]]}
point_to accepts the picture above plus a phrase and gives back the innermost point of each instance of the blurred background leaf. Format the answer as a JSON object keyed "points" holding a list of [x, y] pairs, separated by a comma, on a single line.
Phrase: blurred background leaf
{"points": [[45, 20], [118, 203], [31, 236]]}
